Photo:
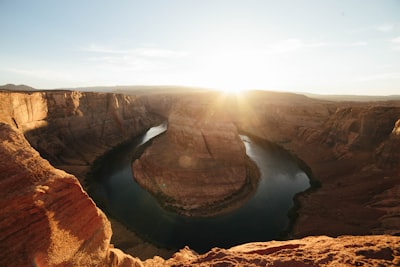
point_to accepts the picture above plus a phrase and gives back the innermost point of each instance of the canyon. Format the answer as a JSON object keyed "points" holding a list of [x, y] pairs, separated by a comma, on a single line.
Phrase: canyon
{"points": [[50, 139]]}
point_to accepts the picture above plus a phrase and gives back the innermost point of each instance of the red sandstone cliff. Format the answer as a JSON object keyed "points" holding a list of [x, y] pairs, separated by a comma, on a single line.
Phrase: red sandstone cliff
{"points": [[46, 217]]}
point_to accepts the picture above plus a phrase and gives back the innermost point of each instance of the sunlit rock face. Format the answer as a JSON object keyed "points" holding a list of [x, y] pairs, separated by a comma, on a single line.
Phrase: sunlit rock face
{"points": [[388, 153], [46, 217], [310, 251], [199, 161], [396, 129]]}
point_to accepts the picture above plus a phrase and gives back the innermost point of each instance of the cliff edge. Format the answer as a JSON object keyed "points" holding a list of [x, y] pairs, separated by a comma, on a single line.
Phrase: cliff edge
{"points": [[47, 219]]}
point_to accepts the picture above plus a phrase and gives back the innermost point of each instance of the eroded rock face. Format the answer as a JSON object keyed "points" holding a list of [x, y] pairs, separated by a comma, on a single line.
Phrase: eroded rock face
{"points": [[200, 161], [311, 251], [351, 148], [46, 217]]}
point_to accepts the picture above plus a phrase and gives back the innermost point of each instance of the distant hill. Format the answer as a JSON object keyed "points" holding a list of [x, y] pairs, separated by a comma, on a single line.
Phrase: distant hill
{"points": [[354, 98], [154, 89], [142, 89], [13, 87]]}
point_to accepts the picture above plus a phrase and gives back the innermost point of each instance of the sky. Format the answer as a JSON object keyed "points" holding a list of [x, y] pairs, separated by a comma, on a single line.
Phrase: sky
{"points": [[325, 47]]}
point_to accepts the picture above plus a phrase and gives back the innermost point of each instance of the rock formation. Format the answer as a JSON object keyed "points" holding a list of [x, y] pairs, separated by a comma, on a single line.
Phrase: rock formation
{"points": [[350, 147], [48, 219], [310, 251], [200, 161], [71, 129]]}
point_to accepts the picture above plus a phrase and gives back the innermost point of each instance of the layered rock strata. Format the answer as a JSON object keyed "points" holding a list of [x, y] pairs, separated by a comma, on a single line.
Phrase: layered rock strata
{"points": [[199, 163], [71, 129], [352, 148]]}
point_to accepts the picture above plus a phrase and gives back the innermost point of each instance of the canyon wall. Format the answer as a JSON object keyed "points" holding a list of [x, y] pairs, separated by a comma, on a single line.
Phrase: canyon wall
{"points": [[48, 219], [352, 149], [71, 129]]}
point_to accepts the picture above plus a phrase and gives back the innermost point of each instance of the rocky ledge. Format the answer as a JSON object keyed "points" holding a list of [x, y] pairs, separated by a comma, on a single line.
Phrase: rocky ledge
{"points": [[307, 252], [199, 166]]}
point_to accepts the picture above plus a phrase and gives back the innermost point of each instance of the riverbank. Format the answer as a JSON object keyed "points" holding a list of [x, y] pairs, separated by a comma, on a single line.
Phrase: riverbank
{"points": [[126, 238], [131, 243], [266, 204], [315, 184], [352, 149], [123, 237]]}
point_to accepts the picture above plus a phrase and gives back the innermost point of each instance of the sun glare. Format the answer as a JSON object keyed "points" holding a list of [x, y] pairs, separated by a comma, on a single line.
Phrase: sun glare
{"points": [[231, 70], [231, 90]]}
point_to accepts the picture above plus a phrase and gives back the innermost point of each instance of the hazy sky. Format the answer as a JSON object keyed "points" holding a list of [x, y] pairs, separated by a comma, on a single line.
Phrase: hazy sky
{"points": [[337, 46]]}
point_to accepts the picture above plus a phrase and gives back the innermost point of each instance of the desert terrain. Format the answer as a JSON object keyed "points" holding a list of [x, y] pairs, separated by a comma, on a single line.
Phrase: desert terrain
{"points": [[50, 139]]}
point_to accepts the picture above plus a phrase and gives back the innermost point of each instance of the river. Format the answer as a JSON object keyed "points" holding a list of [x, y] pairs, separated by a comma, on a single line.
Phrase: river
{"points": [[263, 217]]}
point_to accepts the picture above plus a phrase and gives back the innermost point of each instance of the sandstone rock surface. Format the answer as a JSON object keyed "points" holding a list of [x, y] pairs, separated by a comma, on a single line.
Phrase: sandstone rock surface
{"points": [[310, 251], [46, 217]]}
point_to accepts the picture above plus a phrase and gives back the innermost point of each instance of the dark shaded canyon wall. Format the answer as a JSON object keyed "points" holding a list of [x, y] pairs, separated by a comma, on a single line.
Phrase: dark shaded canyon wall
{"points": [[352, 148], [71, 129]]}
